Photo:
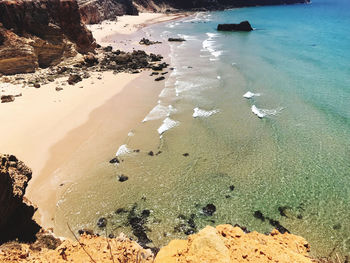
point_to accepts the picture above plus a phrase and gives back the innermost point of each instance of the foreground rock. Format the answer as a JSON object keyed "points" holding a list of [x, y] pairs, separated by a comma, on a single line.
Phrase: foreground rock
{"points": [[15, 210], [40, 34], [243, 26], [226, 244]]}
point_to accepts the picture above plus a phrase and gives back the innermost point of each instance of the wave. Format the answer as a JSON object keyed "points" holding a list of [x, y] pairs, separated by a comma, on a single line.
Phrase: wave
{"points": [[159, 112], [123, 149], [261, 113], [197, 112], [249, 95], [167, 125]]}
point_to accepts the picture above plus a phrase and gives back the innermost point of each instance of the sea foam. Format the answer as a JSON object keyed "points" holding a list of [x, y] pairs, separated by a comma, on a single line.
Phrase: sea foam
{"points": [[249, 95], [159, 112], [123, 149], [261, 113], [167, 125], [197, 112]]}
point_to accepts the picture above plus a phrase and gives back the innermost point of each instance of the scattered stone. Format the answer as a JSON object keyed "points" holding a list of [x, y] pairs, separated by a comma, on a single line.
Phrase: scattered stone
{"points": [[147, 42], [111, 235], [176, 39], [160, 66], [259, 215], [7, 98], [37, 85], [123, 178], [136, 151], [155, 57], [114, 160], [86, 231], [243, 26], [102, 222], [160, 78], [73, 79], [186, 154], [164, 73], [154, 73], [151, 153], [108, 49], [59, 88], [90, 59], [159, 152], [121, 211], [135, 71], [209, 209], [227, 196]]}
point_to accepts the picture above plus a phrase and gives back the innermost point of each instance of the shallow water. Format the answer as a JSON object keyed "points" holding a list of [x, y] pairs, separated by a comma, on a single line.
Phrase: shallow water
{"points": [[292, 164]]}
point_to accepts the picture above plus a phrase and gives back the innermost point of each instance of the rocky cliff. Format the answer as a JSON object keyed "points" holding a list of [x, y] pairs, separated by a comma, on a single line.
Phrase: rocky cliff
{"points": [[39, 33], [15, 210], [95, 11]]}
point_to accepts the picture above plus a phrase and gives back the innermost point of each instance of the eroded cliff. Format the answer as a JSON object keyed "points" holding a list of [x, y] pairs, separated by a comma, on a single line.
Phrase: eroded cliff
{"points": [[40, 33]]}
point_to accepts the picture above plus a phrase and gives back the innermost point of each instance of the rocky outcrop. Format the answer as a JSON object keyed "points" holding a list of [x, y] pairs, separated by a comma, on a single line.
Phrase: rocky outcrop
{"points": [[226, 244], [39, 33], [243, 26], [95, 11], [15, 210]]}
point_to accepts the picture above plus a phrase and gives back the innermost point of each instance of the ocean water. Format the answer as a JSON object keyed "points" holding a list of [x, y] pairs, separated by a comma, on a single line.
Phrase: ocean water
{"points": [[283, 151]]}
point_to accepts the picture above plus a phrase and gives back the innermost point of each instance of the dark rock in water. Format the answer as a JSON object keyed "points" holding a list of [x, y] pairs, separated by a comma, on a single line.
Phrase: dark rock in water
{"points": [[74, 78], [123, 178], [278, 226], [164, 73], [232, 187], [114, 160], [159, 79], [191, 222], [154, 250], [137, 151], [147, 42], [111, 235], [259, 215], [209, 209], [151, 153], [300, 216], [102, 222], [159, 152], [145, 213], [190, 231], [86, 232], [137, 224], [176, 39], [337, 226], [186, 154], [243, 26], [282, 210], [245, 230], [227, 196], [154, 73], [121, 211]]}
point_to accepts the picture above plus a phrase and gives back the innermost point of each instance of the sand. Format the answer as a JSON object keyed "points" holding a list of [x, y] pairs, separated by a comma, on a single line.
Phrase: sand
{"points": [[45, 127]]}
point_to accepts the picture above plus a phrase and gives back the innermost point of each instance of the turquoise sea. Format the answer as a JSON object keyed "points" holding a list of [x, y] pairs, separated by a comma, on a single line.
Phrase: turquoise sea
{"points": [[290, 168]]}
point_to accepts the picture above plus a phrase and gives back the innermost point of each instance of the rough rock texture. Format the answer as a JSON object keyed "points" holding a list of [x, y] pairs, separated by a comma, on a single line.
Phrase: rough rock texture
{"points": [[225, 244], [37, 33], [120, 249], [95, 11], [15, 210]]}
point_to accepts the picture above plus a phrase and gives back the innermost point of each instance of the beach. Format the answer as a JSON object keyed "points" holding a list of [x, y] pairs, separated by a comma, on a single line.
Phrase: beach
{"points": [[45, 127]]}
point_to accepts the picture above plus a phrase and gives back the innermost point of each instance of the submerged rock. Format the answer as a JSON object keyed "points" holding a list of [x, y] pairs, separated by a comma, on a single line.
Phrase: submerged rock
{"points": [[209, 209], [102, 222], [122, 178], [243, 26]]}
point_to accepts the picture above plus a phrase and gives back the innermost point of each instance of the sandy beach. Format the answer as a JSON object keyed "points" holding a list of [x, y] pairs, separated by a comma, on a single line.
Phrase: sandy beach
{"points": [[45, 127]]}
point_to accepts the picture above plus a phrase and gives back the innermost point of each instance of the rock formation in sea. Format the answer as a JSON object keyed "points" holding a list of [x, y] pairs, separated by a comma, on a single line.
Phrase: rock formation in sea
{"points": [[243, 26], [40, 33]]}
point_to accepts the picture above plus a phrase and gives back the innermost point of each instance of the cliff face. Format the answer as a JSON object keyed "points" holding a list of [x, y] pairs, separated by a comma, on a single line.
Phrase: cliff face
{"points": [[15, 210], [95, 11], [39, 33]]}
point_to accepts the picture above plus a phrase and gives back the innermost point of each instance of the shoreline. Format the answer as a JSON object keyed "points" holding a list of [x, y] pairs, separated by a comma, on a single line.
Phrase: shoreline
{"points": [[46, 192]]}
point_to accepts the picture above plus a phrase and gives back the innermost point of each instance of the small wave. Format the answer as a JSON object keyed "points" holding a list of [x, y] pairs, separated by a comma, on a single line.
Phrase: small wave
{"points": [[123, 149], [167, 125], [249, 95], [261, 113], [187, 37], [218, 77], [159, 112], [130, 134], [197, 112], [212, 35]]}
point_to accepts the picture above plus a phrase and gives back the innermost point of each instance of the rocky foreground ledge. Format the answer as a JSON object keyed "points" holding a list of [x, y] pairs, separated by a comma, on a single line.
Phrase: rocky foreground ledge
{"points": [[225, 243]]}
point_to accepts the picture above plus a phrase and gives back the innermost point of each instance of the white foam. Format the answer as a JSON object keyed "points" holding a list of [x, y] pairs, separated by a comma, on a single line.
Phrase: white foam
{"points": [[197, 112], [218, 77], [167, 125], [123, 149], [159, 112], [261, 113], [249, 95], [130, 134]]}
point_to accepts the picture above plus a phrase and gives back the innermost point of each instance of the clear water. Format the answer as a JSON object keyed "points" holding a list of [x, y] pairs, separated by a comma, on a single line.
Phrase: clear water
{"points": [[297, 156]]}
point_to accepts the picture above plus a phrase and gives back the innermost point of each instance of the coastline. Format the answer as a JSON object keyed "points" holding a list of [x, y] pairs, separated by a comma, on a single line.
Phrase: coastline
{"points": [[58, 123]]}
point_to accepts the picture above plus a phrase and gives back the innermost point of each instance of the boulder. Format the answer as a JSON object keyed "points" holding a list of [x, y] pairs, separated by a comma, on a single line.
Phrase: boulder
{"points": [[73, 79], [7, 98], [243, 26]]}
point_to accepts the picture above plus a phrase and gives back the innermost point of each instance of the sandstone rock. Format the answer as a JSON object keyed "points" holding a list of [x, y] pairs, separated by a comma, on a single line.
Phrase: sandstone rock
{"points": [[73, 79], [90, 59], [228, 244], [243, 26]]}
